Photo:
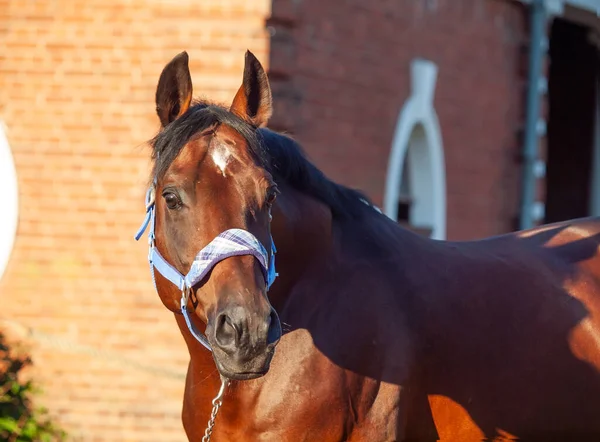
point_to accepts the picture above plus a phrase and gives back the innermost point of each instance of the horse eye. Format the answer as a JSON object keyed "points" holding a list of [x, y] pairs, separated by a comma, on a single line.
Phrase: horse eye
{"points": [[271, 195], [172, 200]]}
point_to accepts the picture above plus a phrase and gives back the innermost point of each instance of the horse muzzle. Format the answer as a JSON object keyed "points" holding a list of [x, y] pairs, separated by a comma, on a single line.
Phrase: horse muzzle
{"points": [[244, 343]]}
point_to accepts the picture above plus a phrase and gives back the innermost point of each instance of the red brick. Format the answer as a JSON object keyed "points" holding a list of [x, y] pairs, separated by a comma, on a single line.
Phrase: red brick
{"points": [[77, 83], [351, 73]]}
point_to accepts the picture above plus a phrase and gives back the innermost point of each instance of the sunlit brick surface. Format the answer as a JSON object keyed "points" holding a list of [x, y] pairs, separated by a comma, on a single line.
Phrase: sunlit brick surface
{"points": [[77, 82]]}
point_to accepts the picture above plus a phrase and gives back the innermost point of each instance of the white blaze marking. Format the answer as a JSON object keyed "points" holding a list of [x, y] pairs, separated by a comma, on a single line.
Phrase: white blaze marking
{"points": [[220, 155]]}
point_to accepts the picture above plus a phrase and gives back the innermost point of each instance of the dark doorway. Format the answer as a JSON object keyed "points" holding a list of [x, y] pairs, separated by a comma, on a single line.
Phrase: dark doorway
{"points": [[572, 83]]}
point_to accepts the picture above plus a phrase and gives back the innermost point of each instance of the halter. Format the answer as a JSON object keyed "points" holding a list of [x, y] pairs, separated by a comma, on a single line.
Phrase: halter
{"points": [[232, 242]]}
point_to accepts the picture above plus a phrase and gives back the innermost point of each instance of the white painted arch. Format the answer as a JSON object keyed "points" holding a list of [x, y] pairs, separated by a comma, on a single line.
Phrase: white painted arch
{"points": [[418, 129], [10, 202]]}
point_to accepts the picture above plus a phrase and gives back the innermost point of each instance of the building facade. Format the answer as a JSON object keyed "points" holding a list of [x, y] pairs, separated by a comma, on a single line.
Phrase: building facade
{"points": [[447, 103], [425, 105]]}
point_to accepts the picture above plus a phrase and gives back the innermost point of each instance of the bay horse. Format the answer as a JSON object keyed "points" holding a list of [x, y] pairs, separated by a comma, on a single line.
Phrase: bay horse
{"points": [[361, 330]]}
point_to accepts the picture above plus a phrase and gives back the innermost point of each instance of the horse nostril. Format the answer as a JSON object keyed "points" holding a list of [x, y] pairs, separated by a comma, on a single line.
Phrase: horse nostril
{"points": [[274, 332], [226, 332]]}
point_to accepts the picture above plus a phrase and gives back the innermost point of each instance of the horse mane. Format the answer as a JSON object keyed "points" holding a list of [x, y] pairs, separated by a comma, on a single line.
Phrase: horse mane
{"points": [[290, 164], [279, 154]]}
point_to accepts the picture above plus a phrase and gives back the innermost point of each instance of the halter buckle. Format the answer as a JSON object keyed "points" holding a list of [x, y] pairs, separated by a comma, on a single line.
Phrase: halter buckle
{"points": [[185, 296], [150, 198], [151, 251]]}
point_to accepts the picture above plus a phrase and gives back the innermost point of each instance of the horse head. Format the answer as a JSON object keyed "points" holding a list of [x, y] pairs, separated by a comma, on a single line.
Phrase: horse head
{"points": [[209, 207]]}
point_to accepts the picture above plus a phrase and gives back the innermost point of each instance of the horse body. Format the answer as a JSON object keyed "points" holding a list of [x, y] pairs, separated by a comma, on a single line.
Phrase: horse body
{"points": [[412, 339], [516, 345], [388, 336]]}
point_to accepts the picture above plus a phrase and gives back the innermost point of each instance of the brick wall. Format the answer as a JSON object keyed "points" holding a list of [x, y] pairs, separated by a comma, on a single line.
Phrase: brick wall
{"points": [[77, 82], [341, 75]]}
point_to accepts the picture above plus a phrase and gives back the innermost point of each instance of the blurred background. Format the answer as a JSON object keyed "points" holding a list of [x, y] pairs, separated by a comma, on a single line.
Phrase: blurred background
{"points": [[460, 118]]}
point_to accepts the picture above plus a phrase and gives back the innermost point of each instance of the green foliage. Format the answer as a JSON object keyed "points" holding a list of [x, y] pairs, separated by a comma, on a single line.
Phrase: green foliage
{"points": [[19, 421]]}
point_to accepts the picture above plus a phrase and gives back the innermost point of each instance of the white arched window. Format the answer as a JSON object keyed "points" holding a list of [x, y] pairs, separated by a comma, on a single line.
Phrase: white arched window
{"points": [[10, 207], [416, 180]]}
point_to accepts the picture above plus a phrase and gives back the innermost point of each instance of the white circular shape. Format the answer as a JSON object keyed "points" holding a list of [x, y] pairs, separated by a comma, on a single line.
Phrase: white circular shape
{"points": [[10, 200]]}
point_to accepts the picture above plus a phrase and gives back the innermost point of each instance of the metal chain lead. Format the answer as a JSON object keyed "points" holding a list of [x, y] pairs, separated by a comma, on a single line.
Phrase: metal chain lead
{"points": [[217, 402]]}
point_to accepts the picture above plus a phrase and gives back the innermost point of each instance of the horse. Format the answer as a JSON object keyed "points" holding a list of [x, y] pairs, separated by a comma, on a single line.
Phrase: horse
{"points": [[311, 316]]}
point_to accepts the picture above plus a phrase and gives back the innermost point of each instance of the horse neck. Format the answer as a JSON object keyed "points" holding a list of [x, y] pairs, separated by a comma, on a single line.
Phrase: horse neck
{"points": [[302, 230]]}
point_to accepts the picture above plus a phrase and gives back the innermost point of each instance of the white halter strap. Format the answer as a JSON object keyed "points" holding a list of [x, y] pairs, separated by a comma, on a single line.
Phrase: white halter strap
{"points": [[232, 242]]}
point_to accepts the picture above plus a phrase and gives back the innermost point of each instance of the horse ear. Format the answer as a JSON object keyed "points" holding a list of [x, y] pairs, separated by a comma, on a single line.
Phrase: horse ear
{"points": [[174, 90], [253, 101]]}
